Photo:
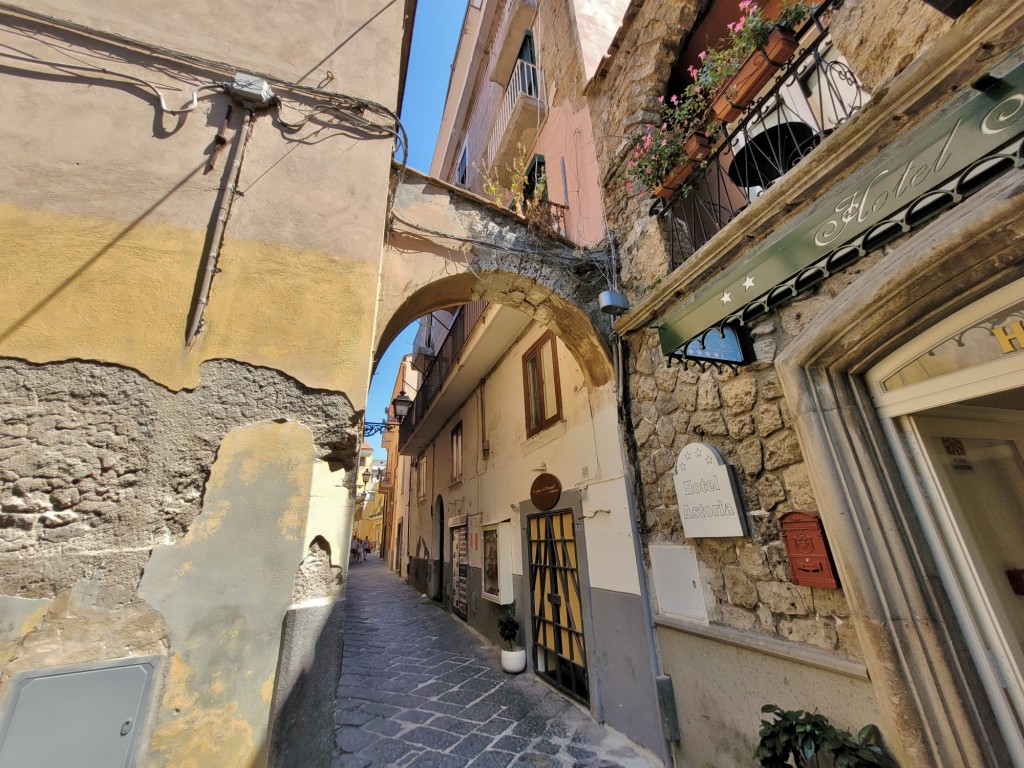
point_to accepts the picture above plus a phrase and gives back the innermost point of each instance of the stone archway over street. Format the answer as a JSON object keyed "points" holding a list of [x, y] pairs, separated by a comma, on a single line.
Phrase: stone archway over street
{"points": [[446, 246]]}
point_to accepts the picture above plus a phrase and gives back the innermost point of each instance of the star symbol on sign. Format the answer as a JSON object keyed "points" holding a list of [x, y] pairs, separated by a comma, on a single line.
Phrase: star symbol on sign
{"points": [[726, 297], [748, 283]]}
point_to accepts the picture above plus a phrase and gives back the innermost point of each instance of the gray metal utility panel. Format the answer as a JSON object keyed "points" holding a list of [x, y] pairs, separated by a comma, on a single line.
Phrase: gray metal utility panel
{"points": [[85, 716]]}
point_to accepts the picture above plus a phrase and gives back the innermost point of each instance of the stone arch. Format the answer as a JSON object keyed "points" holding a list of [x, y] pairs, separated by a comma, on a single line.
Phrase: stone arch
{"points": [[447, 247]]}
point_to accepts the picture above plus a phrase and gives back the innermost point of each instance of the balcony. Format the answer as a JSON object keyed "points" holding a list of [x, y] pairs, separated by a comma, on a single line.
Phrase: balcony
{"points": [[480, 335], [806, 102], [520, 115], [462, 324], [516, 18]]}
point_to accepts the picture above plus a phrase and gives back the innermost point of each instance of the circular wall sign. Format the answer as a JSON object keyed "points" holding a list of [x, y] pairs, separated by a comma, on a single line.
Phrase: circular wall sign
{"points": [[545, 491]]}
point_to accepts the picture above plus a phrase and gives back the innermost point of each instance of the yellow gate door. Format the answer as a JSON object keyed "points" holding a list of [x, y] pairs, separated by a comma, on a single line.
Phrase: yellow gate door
{"points": [[557, 616]]}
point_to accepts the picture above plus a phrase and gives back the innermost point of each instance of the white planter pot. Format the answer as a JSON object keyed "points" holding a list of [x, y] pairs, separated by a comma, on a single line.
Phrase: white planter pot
{"points": [[513, 662]]}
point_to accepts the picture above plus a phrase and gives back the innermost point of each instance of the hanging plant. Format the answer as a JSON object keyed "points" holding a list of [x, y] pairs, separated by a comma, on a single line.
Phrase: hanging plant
{"points": [[654, 156]]}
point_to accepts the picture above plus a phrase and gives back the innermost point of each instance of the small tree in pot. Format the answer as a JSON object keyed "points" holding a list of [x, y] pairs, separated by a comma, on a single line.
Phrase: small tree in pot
{"points": [[513, 660]]}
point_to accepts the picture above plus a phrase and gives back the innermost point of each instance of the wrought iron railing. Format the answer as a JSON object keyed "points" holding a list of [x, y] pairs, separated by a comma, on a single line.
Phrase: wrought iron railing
{"points": [[525, 81], [462, 325], [808, 99]]}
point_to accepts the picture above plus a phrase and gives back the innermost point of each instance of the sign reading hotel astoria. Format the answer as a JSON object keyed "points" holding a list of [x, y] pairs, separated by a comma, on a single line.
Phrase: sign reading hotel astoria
{"points": [[709, 504]]}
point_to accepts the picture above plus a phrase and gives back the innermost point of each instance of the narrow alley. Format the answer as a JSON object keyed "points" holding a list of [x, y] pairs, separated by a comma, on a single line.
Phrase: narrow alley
{"points": [[419, 688]]}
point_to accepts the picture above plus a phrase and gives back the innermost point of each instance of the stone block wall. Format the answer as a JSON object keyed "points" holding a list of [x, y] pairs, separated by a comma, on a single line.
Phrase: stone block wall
{"points": [[746, 418], [742, 414], [562, 63]]}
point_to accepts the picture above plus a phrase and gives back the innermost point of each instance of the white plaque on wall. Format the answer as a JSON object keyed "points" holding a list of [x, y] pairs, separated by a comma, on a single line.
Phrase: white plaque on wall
{"points": [[709, 501]]}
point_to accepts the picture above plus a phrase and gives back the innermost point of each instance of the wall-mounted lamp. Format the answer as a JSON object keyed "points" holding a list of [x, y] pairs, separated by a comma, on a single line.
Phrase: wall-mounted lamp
{"points": [[399, 407]]}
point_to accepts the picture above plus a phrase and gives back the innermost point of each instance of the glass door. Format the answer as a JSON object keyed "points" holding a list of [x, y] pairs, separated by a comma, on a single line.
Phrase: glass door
{"points": [[952, 403]]}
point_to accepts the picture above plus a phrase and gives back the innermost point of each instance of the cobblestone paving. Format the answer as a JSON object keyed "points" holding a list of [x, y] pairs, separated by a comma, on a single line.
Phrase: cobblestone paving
{"points": [[419, 688]]}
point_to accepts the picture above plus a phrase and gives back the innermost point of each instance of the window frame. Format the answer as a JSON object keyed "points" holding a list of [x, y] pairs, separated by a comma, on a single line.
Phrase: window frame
{"points": [[461, 174], [457, 447], [420, 470], [534, 352]]}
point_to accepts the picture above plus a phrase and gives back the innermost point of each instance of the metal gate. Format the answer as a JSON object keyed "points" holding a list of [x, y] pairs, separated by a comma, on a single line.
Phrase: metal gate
{"points": [[460, 568], [559, 648]]}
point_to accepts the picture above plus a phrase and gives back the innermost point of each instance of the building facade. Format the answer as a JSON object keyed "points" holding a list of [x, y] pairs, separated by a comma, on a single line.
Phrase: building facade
{"points": [[842, 330], [518, 499], [517, 495], [183, 353]]}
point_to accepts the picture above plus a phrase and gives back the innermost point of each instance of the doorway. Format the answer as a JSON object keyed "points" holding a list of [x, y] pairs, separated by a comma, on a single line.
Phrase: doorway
{"points": [[953, 407], [556, 610], [460, 571], [437, 537]]}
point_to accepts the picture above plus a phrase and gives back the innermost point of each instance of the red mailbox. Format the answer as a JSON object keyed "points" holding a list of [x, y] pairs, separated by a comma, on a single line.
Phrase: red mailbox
{"points": [[809, 557]]}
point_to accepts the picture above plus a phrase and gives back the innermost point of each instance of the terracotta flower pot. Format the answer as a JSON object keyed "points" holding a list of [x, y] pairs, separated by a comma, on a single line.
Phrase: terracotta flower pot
{"points": [[697, 148], [754, 74]]}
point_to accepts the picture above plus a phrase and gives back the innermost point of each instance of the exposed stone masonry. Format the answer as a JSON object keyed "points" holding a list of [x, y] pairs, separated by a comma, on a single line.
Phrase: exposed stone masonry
{"points": [[100, 464], [745, 416]]}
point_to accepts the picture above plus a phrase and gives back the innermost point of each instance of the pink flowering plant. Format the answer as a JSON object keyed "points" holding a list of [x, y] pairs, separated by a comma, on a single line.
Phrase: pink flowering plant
{"points": [[659, 148]]}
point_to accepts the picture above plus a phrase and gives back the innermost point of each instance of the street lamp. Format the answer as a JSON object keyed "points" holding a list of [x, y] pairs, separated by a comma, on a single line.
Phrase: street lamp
{"points": [[366, 476], [400, 407]]}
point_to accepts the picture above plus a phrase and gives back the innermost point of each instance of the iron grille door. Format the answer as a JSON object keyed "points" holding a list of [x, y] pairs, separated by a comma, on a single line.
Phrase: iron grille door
{"points": [[460, 568], [559, 649]]}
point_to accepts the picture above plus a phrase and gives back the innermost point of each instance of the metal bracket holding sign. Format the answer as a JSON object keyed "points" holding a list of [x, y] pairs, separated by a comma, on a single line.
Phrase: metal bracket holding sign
{"points": [[708, 494], [725, 346]]}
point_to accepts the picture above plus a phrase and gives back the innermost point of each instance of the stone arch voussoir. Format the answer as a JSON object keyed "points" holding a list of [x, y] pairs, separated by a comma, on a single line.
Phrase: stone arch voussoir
{"points": [[447, 247]]}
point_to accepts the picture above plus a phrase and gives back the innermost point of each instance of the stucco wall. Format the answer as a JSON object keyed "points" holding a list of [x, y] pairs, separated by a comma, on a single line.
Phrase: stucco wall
{"points": [[130, 455], [302, 43], [720, 689]]}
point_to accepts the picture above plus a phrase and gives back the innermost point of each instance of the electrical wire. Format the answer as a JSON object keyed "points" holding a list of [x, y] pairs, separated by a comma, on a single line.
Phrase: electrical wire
{"points": [[192, 104], [584, 258]]}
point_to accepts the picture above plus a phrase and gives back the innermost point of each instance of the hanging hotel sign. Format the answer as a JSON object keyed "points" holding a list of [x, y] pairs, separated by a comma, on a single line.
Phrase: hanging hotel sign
{"points": [[708, 497], [975, 138]]}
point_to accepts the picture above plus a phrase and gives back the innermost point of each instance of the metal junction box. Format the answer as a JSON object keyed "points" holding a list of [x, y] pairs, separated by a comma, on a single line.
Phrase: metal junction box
{"points": [[85, 716], [809, 557]]}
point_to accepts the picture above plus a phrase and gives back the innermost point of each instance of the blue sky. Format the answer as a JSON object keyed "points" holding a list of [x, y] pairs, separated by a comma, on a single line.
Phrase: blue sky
{"points": [[435, 34]]}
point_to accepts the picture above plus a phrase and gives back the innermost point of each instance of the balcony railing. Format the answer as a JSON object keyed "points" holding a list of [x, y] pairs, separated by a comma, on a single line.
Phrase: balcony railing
{"points": [[809, 99], [525, 83], [448, 352]]}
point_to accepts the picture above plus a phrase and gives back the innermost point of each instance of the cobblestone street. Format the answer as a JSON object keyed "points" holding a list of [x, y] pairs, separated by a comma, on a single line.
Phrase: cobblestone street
{"points": [[419, 688]]}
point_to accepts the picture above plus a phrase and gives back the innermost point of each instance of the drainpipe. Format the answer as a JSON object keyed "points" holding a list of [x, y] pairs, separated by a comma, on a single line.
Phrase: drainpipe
{"points": [[662, 682], [209, 265]]}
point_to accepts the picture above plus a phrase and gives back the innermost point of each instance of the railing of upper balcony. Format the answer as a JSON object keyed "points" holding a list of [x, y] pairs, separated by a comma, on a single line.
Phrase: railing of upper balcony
{"points": [[462, 324], [551, 218], [809, 99], [525, 81]]}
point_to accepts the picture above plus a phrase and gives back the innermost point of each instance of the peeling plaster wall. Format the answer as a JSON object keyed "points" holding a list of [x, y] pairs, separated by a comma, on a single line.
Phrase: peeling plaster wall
{"points": [[101, 465], [105, 472], [123, 449], [242, 556]]}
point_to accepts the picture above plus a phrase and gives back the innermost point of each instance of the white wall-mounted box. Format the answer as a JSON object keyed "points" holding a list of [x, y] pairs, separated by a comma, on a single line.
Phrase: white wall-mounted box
{"points": [[497, 570]]}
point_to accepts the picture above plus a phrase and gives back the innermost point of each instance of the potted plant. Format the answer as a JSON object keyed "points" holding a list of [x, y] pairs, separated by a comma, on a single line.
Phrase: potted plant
{"points": [[663, 156], [798, 738], [757, 47], [513, 660]]}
